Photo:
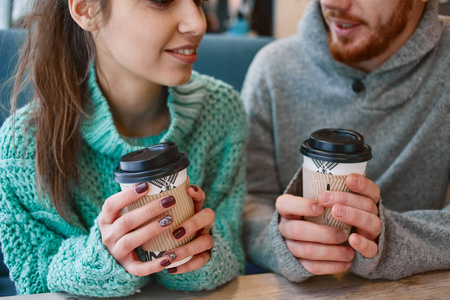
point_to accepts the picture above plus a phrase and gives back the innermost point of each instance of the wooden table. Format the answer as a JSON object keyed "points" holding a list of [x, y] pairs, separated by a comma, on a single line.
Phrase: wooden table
{"points": [[431, 285]]}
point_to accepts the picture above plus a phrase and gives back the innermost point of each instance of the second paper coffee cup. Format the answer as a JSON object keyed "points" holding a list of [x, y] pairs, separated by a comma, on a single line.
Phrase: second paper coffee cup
{"points": [[163, 167], [329, 155]]}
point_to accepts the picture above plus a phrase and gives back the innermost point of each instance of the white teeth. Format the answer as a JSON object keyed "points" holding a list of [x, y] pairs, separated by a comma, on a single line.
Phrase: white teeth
{"points": [[185, 51], [346, 25]]}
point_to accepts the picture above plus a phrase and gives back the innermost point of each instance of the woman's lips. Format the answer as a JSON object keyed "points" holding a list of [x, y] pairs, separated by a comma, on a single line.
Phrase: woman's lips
{"points": [[186, 55]]}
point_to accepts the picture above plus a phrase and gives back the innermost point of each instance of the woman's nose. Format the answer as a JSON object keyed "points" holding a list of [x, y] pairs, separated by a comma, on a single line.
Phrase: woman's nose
{"points": [[192, 18]]}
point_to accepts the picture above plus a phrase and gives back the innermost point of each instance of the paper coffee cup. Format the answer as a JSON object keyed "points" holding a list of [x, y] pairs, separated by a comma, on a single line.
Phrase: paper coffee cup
{"points": [[164, 170], [329, 155]]}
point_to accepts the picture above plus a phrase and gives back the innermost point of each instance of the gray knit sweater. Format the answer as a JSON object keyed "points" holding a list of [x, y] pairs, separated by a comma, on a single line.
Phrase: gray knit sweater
{"points": [[294, 87]]}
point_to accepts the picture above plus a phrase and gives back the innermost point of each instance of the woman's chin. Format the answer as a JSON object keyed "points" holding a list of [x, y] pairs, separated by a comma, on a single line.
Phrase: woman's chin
{"points": [[179, 80]]}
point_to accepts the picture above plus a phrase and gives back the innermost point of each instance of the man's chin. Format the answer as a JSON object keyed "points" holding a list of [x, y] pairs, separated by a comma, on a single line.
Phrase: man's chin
{"points": [[351, 53]]}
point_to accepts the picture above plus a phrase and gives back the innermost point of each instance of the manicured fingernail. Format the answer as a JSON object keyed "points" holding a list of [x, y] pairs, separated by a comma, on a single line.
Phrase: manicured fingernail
{"points": [[141, 188], [340, 211], [171, 255], [317, 208], [179, 233], [172, 270], [165, 263], [195, 188], [166, 221], [325, 197], [168, 202], [353, 180]]}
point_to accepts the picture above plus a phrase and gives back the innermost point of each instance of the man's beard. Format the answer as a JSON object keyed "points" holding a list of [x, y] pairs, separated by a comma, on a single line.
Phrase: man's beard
{"points": [[379, 40]]}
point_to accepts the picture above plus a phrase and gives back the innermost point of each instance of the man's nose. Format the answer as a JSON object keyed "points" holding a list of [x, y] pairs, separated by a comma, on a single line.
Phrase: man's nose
{"points": [[336, 4]]}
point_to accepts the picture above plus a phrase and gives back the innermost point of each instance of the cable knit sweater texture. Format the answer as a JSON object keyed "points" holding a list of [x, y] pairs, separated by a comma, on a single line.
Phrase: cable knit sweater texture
{"points": [[295, 87], [46, 254]]}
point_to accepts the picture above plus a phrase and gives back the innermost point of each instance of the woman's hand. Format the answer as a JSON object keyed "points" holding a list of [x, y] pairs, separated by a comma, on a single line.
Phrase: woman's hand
{"points": [[200, 246], [119, 234]]}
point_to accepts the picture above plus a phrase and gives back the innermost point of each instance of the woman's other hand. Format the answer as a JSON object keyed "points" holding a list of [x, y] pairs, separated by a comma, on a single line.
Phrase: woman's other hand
{"points": [[120, 234]]}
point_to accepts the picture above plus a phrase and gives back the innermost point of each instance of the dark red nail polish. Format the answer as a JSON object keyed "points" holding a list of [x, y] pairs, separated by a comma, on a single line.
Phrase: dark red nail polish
{"points": [[179, 232], [195, 188], [141, 188], [166, 221], [168, 202], [172, 270], [165, 263]]}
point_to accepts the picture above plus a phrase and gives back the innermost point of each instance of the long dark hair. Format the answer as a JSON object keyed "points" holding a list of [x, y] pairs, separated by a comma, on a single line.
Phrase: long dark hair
{"points": [[56, 59]]}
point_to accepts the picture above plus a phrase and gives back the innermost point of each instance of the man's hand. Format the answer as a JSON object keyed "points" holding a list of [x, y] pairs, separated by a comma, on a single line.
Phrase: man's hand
{"points": [[358, 209], [319, 248]]}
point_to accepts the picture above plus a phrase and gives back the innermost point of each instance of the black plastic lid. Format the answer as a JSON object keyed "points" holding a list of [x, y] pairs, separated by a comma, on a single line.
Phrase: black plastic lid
{"points": [[150, 163], [336, 145]]}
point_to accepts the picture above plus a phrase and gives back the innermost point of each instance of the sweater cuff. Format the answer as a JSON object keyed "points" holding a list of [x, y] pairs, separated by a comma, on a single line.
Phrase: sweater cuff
{"points": [[288, 265], [83, 266]]}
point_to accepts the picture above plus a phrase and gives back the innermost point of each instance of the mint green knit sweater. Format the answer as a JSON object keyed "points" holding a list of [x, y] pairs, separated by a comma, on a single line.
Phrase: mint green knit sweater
{"points": [[46, 254]]}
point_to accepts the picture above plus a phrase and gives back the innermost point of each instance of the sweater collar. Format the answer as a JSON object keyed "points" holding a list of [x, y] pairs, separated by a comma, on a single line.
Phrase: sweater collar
{"points": [[312, 33], [99, 132]]}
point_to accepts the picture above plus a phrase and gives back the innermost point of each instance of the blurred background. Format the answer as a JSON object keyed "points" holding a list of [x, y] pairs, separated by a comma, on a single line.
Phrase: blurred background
{"points": [[276, 18]]}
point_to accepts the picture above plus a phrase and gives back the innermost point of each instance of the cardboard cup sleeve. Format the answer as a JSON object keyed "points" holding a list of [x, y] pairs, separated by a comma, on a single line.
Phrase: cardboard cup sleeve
{"points": [[183, 210], [315, 183]]}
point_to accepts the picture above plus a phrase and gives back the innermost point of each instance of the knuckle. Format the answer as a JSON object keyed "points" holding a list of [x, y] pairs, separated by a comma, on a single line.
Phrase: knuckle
{"points": [[139, 271], [133, 270], [362, 182], [124, 223], [145, 269], [293, 247], [209, 241], [370, 206], [124, 244], [150, 231], [306, 250], [101, 220], [107, 238], [377, 193], [374, 251], [210, 214], [206, 256], [281, 203], [339, 197], [377, 226], [284, 227], [151, 210], [278, 203], [107, 207], [193, 224]]}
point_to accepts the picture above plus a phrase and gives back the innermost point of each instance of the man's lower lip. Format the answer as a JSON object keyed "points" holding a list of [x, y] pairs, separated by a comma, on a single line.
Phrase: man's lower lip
{"points": [[187, 59], [344, 32]]}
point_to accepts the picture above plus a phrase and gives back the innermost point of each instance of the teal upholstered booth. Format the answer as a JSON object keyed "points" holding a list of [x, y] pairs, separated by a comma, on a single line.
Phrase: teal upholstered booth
{"points": [[225, 57]]}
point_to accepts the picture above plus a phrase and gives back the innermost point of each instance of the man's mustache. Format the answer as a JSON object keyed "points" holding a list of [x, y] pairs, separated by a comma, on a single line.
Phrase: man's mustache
{"points": [[343, 16]]}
